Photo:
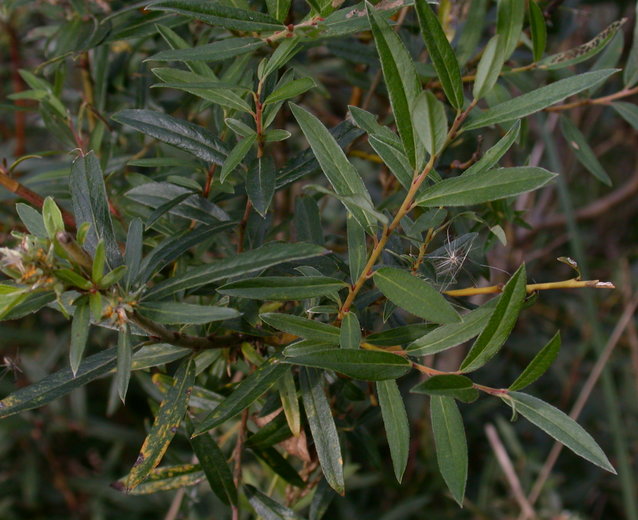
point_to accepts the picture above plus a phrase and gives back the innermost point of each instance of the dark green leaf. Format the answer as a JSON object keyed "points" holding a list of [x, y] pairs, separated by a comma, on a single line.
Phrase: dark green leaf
{"points": [[280, 466], [302, 327], [236, 156], [159, 354], [451, 445], [238, 265], [321, 500], [245, 394], [630, 74], [133, 253], [583, 151], [559, 426], [58, 384], [211, 52], [492, 156], [186, 136], [260, 185], [343, 177], [628, 111], [79, 334], [282, 287], [186, 313], [25, 303], [266, 507], [322, 428], [400, 78], [124, 362], [278, 9], [414, 295], [90, 204], [539, 365], [538, 29], [290, 90], [367, 365], [219, 14], [538, 99], [441, 53], [501, 323], [509, 24], [484, 186], [430, 122], [395, 421], [489, 67], [357, 251], [304, 347], [350, 335], [168, 419], [452, 334], [450, 385]]}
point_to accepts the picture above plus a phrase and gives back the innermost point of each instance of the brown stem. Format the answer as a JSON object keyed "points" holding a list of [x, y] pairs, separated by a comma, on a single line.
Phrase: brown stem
{"points": [[605, 100]]}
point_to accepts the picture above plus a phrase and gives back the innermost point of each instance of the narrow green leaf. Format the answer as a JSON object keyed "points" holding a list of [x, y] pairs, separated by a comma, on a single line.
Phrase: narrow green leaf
{"points": [[414, 295], [278, 9], [583, 151], [302, 327], [282, 287], [260, 185], [397, 427], [32, 220], [166, 478], [367, 365], [79, 334], [430, 122], [441, 53], [630, 74], [124, 362], [245, 394], [52, 217], [238, 265], [22, 303], [290, 90], [394, 158], [539, 365], [451, 445], [308, 346], [321, 500], [99, 261], [449, 385], [538, 99], [279, 465], [219, 14], [501, 323], [289, 402], [484, 186], [185, 313], [357, 251], [343, 177], [559, 426], [158, 354], [91, 204], [628, 111], [72, 278], [322, 428], [308, 220], [168, 419], [350, 335], [489, 67], [267, 508], [112, 277], [493, 155], [214, 464], [452, 334], [538, 30], [177, 42], [133, 253], [400, 78], [509, 24], [186, 136], [468, 42]]}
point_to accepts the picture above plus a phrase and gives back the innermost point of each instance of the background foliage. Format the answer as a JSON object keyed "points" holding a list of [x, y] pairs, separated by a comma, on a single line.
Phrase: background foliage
{"points": [[176, 154]]}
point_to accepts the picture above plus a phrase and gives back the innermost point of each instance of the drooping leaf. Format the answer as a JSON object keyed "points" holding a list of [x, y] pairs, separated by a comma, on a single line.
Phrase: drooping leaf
{"points": [[79, 334], [58, 384], [186, 313], [400, 79], [559, 426], [219, 14], [484, 186], [628, 111], [501, 323], [539, 365], [367, 365], [451, 445], [397, 427], [322, 428], [245, 394], [430, 122], [441, 53], [245, 263], [452, 334], [538, 99], [343, 177], [91, 204], [449, 385], [186, 136], [414, 295], [167, 420], [302, 327], [583, 151], [282, 287]]}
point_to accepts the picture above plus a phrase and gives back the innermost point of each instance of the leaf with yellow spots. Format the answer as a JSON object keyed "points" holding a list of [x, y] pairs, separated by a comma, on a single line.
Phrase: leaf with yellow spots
{"points": [[165, 479], [167, 421]]}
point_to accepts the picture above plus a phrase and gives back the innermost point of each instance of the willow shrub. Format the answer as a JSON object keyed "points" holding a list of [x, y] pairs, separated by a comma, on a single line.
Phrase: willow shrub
{"points": [[286, 329]]}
